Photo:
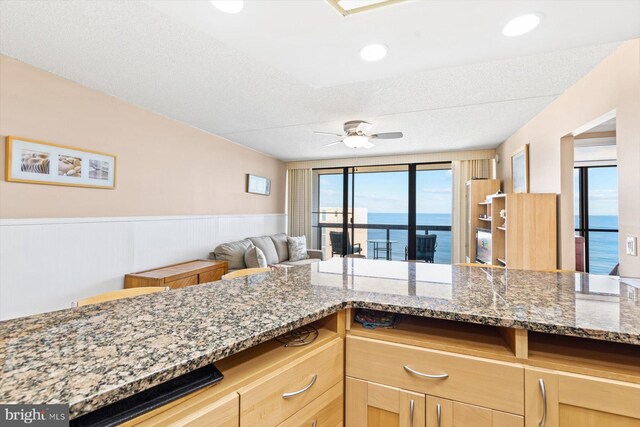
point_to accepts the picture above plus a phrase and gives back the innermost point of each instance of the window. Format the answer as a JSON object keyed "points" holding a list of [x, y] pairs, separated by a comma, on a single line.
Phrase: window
{"points": [[394, 212], [596, 215]]}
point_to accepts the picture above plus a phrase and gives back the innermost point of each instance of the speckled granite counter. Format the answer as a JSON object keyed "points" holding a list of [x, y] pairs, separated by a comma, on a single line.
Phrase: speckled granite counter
{"points": [[92, 356]]}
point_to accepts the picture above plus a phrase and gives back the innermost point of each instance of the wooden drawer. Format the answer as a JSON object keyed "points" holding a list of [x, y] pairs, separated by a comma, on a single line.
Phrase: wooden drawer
{"points": [[211, 275], [491, 384], [200, 411], [262, 403], [325, 411], [184, 282]]}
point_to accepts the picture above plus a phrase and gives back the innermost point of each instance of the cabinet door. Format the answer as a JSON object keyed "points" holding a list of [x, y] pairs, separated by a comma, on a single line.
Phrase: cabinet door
{"points": [[556, 399], [447, 413], [374, 405]]}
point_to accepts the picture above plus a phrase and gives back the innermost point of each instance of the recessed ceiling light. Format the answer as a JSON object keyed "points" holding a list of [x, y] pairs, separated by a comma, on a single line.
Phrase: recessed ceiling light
{"points": [[228, 6], [521, 25], [373, 52]]}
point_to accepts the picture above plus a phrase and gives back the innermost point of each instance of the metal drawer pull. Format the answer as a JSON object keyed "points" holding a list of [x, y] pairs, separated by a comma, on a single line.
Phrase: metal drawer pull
{"points": [[314, 424], [439, 414], [302, 390], [420, 374], [411, 408], [543, 392]]}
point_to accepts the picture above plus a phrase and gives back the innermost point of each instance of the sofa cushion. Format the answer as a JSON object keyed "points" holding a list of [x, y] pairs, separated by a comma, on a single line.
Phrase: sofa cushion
{"points": [[297, 248], [282, 248], [302, 262], [267, 247], [254, 258], [233, 253]]}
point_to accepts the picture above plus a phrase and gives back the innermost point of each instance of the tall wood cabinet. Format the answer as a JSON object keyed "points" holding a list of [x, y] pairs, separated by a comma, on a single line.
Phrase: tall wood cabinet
{"points": [[527, 238]]}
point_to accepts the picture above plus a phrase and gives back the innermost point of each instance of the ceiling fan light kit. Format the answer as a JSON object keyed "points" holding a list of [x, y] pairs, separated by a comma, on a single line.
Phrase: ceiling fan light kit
{"points": [[355, 135]]}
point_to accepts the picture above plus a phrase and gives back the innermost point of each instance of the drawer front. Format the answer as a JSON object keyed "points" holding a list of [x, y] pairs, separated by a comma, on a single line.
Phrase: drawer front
{"points": [[199, 411], [183, 283], [325, 411], [211, 275], [274, 398], [491, 384]]}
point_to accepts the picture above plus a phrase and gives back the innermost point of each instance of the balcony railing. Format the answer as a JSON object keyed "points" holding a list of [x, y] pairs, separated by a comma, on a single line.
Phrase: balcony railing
{"points": [[445, 246]]}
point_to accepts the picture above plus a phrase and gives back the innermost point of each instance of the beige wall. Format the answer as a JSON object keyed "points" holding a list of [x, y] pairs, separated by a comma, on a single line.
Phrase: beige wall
{"points": [[612, 85], [164, 167]]}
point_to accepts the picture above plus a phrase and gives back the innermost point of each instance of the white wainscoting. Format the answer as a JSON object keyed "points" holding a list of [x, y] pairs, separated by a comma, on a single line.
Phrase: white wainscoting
{"points": [[45, 264]]}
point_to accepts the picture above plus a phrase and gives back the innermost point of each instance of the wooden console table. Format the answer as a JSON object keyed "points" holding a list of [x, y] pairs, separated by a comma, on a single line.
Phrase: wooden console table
{"points": [[178, 275]]}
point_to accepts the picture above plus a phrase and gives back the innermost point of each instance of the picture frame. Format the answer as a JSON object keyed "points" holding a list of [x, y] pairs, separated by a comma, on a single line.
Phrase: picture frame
{"points": [[258, 185], [520, 170], [39, 162]]}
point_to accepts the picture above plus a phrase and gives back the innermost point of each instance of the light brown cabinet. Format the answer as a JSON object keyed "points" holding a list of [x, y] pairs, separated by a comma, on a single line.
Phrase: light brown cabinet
{"points": [[561, 399], [178, 275], [374, 405], [448, 413]]}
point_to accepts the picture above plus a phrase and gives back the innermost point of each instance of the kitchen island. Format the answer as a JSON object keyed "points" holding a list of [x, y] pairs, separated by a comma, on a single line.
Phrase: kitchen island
{"points": [[92, 356]]}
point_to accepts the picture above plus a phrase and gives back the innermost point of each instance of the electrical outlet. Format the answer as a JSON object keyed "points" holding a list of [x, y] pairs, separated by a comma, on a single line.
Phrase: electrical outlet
{"points": [[632, 245]]}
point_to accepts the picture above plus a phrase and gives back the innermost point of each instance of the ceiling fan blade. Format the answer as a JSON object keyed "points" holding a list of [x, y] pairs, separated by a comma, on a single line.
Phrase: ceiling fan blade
{"points": [[387, 135], [328, 133], [333, 143], [369, 145]]}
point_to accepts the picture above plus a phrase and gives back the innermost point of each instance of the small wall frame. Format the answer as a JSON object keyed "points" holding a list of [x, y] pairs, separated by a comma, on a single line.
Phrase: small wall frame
{"points": [[258, 185]]}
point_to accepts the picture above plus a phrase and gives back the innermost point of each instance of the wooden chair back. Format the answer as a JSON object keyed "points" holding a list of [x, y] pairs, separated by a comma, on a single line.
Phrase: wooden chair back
{"points": [[245, 272], [119, 294]]}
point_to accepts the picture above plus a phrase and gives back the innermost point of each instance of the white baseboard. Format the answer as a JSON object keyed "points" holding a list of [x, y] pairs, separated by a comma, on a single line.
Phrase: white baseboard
{"points": [[46, 263]]}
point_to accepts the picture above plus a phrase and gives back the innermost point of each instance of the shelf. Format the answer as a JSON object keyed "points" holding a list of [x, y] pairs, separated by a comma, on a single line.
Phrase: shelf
{"points": [[485, 219], [447, 335], [502, 261], [484, 203], [502, 228], [585, 356]]}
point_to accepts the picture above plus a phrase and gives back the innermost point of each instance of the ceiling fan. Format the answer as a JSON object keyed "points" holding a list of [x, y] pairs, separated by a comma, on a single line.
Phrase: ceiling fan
{"points": [[355, 135]]}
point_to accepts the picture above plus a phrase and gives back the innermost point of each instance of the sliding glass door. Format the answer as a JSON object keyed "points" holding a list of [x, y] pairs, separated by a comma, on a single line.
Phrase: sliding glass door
{"points": [[596, 215], [434, 199], [393, 212]]}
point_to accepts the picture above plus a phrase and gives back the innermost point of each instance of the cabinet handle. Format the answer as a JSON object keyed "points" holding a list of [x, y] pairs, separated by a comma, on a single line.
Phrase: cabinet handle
{"points": [[543, 392], [420, 374], [439, 414], [314, 423], [411, 409], [302, 390]]}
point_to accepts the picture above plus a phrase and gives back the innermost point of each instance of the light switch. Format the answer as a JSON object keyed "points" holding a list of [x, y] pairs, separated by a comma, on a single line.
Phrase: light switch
{"points": [[632, 245]]}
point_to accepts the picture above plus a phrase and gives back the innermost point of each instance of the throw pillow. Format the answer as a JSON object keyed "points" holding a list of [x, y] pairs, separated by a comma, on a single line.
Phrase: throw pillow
{"points": [[255, 258], [233, 253], [297, 248]]}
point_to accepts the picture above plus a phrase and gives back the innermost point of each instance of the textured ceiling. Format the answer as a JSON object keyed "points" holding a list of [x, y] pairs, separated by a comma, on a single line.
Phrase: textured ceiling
{"points": [[167, 64]]}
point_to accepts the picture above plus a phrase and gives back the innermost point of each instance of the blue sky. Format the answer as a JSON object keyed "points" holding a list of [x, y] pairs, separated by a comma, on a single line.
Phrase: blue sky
{"points": [[386, 192], [603, 192]]}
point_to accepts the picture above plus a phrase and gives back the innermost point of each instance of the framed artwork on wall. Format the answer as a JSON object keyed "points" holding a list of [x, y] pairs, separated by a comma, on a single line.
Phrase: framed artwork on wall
{"points": [[39, 162], [520, 170], [258, 185]]}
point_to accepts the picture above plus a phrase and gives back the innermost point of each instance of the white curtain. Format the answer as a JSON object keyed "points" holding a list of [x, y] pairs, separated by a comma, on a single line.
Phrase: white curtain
{"points": [[299, 203], [463, 171]]}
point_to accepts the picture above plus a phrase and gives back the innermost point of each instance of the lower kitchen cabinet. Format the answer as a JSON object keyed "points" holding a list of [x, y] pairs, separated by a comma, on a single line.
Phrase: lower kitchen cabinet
{"points": [[556, 399], [374, 405], [326, 410], [448, 413]]}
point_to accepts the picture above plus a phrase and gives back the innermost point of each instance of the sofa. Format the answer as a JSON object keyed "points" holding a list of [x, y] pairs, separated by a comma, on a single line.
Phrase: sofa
{"points": [[274, 247]]}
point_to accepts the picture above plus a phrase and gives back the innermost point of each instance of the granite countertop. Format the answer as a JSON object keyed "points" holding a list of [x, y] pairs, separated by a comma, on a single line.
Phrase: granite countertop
{"points": [[91, 356]]}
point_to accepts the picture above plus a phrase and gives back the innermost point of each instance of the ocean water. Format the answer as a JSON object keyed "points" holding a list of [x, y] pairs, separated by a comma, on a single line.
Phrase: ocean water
{"points": [[603, 248]]}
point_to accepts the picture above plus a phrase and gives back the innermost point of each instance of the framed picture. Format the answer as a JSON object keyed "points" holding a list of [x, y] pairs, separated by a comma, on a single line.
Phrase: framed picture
{"points": [[520, 170], [39, 162], [258, 185]]}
